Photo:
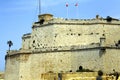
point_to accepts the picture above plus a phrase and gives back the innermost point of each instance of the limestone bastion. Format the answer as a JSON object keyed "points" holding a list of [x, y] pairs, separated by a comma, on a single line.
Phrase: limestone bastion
{"points": [[60, 45]]}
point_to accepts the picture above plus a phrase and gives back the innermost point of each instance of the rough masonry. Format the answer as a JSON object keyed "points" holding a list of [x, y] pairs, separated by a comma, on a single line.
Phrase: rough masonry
{"points": [[60, 45]]}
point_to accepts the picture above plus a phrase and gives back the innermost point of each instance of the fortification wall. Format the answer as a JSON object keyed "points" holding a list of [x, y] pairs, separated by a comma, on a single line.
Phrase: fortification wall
{"points": [[31, 65], [25, 70], [111, 59], [2, 74], [26, 41], [68, 34], [61, 45], [65, 35], [12, 68], [17, 66]]}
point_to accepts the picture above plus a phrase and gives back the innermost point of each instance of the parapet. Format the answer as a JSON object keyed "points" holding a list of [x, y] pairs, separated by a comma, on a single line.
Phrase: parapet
{"points": [[28, 35], [48, 19], [111, 21]]}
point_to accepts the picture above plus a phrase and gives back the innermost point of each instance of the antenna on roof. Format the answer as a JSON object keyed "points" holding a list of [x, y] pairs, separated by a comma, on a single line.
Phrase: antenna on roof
{"points": [[39, 7]]}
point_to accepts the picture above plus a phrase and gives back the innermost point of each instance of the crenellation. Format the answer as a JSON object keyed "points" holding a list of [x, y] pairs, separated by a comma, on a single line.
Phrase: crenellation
{"points": [[85, 21]]}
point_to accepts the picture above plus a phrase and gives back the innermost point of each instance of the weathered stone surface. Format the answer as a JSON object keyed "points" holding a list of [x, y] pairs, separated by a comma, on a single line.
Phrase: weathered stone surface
{"points": [[75, 76], [60, 45], [2, 75]]}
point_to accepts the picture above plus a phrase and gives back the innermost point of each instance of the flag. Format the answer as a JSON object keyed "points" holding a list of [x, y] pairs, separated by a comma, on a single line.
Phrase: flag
{"points": [[66, 4], [76, 4]]}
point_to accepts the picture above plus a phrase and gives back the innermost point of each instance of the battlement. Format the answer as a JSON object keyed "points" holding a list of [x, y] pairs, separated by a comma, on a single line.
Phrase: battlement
{"points": [[62, 49], [68, 21], [55, 49], [85, 21], [28, 35], [17, 52]]}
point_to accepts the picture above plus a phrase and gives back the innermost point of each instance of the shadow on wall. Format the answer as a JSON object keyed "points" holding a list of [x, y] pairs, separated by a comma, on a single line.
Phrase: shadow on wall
{"points": [[102, 51]]}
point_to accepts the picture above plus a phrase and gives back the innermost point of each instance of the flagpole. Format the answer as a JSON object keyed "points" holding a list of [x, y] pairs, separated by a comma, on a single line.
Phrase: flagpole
{"points": [[77, 10], [66, 10], [39, 7]]}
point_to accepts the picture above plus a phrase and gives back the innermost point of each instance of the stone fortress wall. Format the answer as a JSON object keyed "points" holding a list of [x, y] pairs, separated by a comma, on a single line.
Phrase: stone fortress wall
{"points": [[60, 45], [65, 32], [1, 75]]}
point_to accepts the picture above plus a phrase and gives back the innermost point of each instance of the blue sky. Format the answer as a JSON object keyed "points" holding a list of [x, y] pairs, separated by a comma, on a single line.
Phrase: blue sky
{"points": [[17, 16]]}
